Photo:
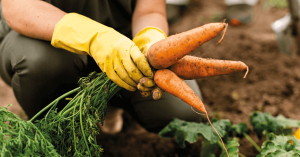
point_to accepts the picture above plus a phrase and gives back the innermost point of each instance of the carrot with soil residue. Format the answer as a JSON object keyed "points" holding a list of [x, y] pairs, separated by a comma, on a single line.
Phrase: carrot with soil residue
{"points": [[171, 83], [168, 51], [191, 67]]}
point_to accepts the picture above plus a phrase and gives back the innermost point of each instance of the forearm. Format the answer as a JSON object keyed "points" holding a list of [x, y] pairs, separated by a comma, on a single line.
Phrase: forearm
{"points": [[149, 13], [32, 18], [153, 19]]}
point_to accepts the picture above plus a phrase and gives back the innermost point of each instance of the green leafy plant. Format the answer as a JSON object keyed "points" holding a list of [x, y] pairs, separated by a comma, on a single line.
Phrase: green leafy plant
{"points": [[189, 131], [69, 132], [277, 130], [280, 146], [231, 146], [263, 123], [22, 138]]}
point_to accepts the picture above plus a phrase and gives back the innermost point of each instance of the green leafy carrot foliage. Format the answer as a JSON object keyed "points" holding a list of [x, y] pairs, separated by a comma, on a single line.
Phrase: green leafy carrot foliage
{"points": [[22, 138], [73, 130], [69, 132]]}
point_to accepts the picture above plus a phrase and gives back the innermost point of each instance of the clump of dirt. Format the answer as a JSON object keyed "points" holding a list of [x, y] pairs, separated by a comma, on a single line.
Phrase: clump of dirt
{"points": [[272, 84]]}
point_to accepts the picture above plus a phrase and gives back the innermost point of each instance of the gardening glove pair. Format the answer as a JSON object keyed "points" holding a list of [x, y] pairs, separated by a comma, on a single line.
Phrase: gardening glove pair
{"points": [[116, 55], [143, 40]]}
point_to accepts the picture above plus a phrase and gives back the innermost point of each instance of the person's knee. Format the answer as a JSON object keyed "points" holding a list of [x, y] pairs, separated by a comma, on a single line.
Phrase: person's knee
{"points": [[38, 58]]}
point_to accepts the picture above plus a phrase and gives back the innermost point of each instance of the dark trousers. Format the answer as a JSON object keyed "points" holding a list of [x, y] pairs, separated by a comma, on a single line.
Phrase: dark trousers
{"points": [[39, 73]]}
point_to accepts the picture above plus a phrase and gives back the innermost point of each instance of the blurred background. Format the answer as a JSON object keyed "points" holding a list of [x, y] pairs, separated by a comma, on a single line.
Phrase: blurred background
{"points": [[265, 44]]}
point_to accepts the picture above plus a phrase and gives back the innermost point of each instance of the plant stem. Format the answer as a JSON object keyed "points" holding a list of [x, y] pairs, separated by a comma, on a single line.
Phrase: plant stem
{"points": [[76, 97], [252, 142], [83, 134], [267, 136], [241, 155], [74, 131], [64, 113], [115, 90], [53, 102]]}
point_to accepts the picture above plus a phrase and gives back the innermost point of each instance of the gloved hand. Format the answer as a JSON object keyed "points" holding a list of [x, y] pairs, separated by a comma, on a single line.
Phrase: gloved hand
{"points": [[144, 39], [115, 54]]}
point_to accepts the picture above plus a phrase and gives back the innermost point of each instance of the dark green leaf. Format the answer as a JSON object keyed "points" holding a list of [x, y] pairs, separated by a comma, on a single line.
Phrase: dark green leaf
{"points": [[280, 146], [264, 122], [189, 131], [232, 148], [208, 149], [71, 132], [240, 128], [22, 138]]}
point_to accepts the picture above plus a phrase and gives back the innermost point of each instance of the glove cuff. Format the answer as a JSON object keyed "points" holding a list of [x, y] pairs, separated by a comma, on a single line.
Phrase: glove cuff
{"points": [[75, 33], [148, 35]]}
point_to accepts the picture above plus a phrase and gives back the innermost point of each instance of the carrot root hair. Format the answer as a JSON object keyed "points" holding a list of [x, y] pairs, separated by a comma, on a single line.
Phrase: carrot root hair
{"points": [[214, 129], [246, 72], [217, 134], [223, 33], [202, 114]]}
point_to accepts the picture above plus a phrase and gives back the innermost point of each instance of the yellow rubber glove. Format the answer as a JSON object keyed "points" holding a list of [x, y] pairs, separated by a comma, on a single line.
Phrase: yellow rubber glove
{"points": [[115, 54], [144, 39], [148, 36]]}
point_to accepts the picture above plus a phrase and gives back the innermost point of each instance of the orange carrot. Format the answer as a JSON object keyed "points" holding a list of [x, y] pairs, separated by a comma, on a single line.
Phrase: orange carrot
{"points": [[168, 51], [171, 83], [190, 67]]}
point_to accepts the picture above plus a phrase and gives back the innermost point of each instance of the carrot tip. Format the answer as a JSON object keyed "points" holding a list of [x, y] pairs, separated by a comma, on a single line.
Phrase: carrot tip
{"points": [[246, 72], [223, 34], [202, 114]]}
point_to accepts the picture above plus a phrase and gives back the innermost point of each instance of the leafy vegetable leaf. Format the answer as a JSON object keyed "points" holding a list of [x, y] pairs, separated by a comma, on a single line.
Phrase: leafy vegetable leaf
{"points": [[208, 149], [239, 128], [232, 148], [189, 131], [280, 146], [71, 132], [22, 138], [262, 122]]}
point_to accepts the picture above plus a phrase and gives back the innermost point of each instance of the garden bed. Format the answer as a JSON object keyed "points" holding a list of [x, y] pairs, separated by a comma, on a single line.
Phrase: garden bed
{"points": [[272, 85]]}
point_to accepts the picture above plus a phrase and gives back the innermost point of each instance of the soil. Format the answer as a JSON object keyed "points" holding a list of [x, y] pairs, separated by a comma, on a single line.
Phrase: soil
{"points": [[272, 84]]}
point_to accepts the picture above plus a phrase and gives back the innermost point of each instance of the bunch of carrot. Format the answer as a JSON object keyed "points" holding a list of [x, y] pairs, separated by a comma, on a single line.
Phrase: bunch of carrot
{"points": [[169, 57]]}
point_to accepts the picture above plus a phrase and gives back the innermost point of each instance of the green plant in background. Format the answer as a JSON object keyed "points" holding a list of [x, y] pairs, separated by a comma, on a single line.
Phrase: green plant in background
{"points": [[189, 131], [280, 146], [264, 123], [280, 4], [277, 130]]}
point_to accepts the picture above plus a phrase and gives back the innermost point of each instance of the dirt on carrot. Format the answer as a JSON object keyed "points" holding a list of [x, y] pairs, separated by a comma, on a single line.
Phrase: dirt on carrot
{"points": [[191, 67]]}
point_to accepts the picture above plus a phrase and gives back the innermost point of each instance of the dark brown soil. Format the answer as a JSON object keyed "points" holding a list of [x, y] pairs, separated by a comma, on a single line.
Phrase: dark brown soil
{"points": [[272, 85]]}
